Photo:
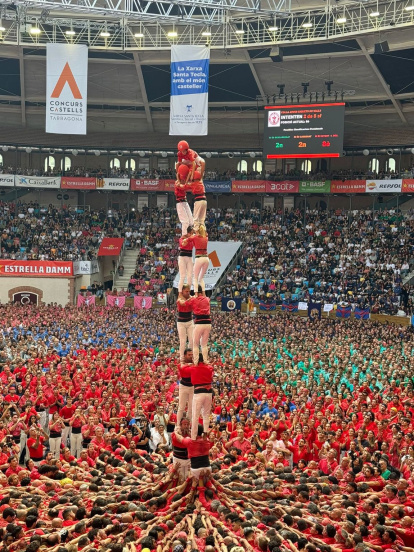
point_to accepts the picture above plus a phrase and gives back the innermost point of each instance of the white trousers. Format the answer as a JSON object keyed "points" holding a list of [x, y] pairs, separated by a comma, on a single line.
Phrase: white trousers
{"points": [[201, 405], [200, 268], [185, 333], [185, 216], [44, 421], [76, 444], [183, 468], [65, 435], [22, 445], [200, 340], [54, 444], [185, 397], [196, 472], [199, 213], [185, 268]]}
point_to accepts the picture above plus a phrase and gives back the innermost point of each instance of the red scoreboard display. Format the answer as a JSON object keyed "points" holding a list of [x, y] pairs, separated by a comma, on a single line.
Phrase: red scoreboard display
{"points": [[308, 130]]}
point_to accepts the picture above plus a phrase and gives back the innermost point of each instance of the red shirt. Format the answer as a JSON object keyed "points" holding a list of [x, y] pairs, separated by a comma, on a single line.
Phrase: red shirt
{"points": [[188, 246], [180, 193], [199, 447], [200, 305], [36, 453], [188, 158], [200, 244], [197, 188]]}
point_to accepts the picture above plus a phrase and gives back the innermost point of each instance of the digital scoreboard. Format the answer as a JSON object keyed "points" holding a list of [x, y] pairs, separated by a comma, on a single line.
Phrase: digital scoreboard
{"points": [[308, 130]]}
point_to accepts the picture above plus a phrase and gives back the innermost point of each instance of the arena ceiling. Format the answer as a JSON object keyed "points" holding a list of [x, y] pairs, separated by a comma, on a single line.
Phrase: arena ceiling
{"points": [[129, 78]]}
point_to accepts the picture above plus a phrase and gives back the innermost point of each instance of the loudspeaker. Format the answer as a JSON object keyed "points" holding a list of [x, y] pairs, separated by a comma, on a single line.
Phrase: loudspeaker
{"points": [[381, 47], [276, 54]]}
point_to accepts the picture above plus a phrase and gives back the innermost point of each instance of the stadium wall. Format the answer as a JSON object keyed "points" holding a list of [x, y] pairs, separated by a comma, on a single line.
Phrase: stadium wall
{"points": [[49, 290]]}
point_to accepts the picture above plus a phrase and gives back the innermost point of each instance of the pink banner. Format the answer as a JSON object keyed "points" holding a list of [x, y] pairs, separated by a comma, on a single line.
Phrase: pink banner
{"points": [[284, 187], [77, 183], [348, 186], [115, 301], [86, 301], [142, 302], [248, 186], [407, 185], [168, 185]]}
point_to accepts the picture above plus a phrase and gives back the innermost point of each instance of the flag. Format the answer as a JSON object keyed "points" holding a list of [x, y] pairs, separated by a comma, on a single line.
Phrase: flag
{"points": [[314, 310], [162, 298], [110, 247], [267, 306], [229, 304], [115, 301], [86, 301], [362, 314], [343, 312], [250, 305], [290, 307], [142, 302]]}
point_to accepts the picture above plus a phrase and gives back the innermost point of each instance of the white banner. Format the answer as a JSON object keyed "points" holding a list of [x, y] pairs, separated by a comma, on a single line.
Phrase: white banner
{"points": [[113, 184], [7, 180], [66, 88], [221, 254], [37, 181], [189, 90], [383, 186], [328, 307], [85, 267], [303, 306]]}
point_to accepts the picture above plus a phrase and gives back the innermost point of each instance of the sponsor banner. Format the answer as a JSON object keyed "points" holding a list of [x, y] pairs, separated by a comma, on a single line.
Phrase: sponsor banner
{"points": [[407, 185], [34, 269], [217, 187], [147, 185], [189, 90], [168, 185], [348, 187], [85, 267], [315, 186], [383, 186], [112, 183], [77, 183], [115, 301], [86, 301], [37, 181], [285, 187], [248, 186], [220, 254], [229, 304], [6, 180], [66, 88], [110, 247], [142, 302]]}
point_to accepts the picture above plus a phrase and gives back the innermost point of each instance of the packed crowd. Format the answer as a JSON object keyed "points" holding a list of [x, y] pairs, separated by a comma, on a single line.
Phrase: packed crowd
{"points": [[311, 434]]}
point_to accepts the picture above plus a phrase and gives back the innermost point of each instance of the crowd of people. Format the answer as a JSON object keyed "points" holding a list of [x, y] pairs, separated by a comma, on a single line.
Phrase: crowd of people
{"points": [[311, 434]]}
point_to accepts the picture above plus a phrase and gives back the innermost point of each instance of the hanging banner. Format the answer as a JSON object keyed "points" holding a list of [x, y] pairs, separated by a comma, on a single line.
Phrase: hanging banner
{"points": [[348, 186], [189, 90], [66, 88], [115, 301], [407, 185], [78, 183], [37, 181], [142, 302], [85, 267], [383, 186], [86, 301], [112, 184], [7, 180], [248, 186], [34, 269], [315, 186], [217, 187], [147, 185], [285, 187], [168, 185], [110, 247]]}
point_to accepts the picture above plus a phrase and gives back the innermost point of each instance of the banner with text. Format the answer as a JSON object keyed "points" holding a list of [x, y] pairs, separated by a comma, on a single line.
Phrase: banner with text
{"points": [[220, 254], [407, 186], [7, 180], [85, 267], [147, 185], [168, 185], [283, 187], [383, 186], [189, 90], [217, 187], [34, 269], [113, 184], [348, 186], [110, 247], [66, 88], [78, 183], [248, 186], [37, 182], [315, 186]]}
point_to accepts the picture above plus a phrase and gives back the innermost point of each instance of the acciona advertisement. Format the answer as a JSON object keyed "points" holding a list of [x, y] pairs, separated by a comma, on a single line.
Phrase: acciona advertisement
{"points": [[189, 90], [66, 88], [220, 254]]}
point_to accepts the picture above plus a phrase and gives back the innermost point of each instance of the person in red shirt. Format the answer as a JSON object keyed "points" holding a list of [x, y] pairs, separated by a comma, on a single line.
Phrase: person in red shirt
{"points": [[202, 325], [186, 389], [198, 452], [180, 452], [189, 157], [200, 200], [66, 413], [185, 326], [202, 379], [35, 444], [200, 242], [184, 213], [185, 259]]}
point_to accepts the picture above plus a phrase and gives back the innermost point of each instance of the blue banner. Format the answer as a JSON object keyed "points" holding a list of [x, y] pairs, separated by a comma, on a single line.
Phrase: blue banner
{"points": [[290, 307], [361, 314], [229, 304], [217, 187], [314, 311], [343, 312]]}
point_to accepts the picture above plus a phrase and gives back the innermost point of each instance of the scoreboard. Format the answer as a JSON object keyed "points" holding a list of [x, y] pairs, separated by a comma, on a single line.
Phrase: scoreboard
{"points": [[308, 130]]}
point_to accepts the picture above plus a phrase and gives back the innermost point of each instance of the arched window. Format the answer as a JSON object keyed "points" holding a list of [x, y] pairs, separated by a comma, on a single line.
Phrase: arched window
{"points": [[115, 163], [66, 164], [1, 159], [130, 164], [50, 163], [374, 165], [306, 166], [390, 165], [258, 166], [242, 165]]}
